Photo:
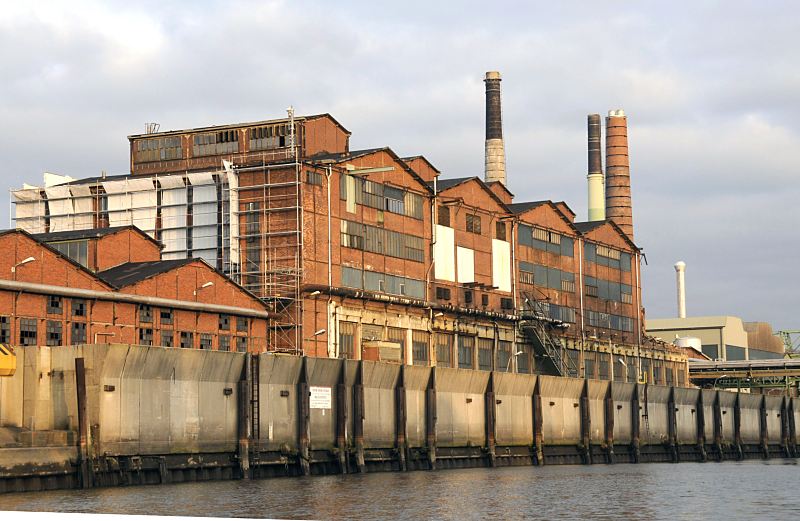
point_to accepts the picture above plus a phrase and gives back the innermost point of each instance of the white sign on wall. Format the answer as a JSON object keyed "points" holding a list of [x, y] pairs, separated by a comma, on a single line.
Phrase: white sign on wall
{"points": [[320, 397]]}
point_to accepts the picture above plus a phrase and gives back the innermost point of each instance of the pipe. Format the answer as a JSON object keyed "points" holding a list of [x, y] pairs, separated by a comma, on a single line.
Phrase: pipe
{"points": [[680, 270], [580, 289], [597, 204], [47, 289]]}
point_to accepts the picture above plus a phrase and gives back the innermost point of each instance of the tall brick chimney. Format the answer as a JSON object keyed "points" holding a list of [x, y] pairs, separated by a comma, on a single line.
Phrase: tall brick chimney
{"points": [[495, 150], [597, 199], [618, 175]]}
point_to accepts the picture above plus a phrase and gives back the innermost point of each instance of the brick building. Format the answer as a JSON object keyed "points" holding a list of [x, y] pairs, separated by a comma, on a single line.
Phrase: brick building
{"points": [[110, 285]]}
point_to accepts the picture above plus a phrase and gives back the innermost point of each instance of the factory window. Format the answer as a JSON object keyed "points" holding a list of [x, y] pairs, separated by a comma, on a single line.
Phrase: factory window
{"points": [[380, 196], [603, 369], [214, 143], [419, 347], [442, 293], [167, 338], [625, 261], [573, 362], [386, 242], [658, 374], [503, 356], [382, 282], [313, 178], [269, 137], [568, 285], [347, 339], [54, 305], [591, 291], [224, 322], [444, 350], [468, 296], [619, 368], [205, 341], [540, 234], [145, 313], [78, 307], [158, 149], [395, 200], [484, 299], [526, 273], [241, 344], [145, 336], [398, 336], [681, 376], [668, 374], [523, 360], [54, 329], [242, 324], [78, 333], [466, 349], [78, 251], [27, 332], [166, 316], [567, 246], [627, 298], [631, 371], [5, 330], [474, 224], [506, 303], [500, 230], [187, 339], [646, 376], [224, 342], [589, 362], [485, 348], [444, 216]]}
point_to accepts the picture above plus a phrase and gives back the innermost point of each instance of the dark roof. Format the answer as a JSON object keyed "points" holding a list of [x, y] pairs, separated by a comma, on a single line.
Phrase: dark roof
{"points": [[92, 233], [518, 208], [238, 125], [444, 184], [341, 156], [587, 226], [133, 272], [412, 158]]}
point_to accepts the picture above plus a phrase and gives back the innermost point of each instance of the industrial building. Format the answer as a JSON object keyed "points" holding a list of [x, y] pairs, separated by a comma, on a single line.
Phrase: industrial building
{"points": [[364, 254], [110, 285]]}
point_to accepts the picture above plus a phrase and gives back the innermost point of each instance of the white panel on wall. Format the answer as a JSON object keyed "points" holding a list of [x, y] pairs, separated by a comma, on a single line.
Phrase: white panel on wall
{"points": [[59, 203], [29, 210], [466, 264], [443, 250], [83, 202], [501, 265]]}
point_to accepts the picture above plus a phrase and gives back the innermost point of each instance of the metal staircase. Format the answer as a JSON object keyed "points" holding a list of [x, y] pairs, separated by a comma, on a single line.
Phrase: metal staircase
{"points": [[537, 326]]}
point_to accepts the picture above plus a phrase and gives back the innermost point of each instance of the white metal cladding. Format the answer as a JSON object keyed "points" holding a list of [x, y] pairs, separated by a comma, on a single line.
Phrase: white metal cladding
{"points": [[83, 203], [119, 203], [173, 220], [443, 250], [501, 265], [59, 204], [29, 210], [204, 222], [144, 204], [466, 264]]}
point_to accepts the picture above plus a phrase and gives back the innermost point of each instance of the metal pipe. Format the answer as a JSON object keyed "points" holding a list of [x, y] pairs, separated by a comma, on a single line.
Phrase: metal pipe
{"points": [[47, 289], [680, 272]]}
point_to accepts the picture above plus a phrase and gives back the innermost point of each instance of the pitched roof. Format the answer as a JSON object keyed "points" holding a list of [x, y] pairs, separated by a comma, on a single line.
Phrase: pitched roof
{"points": [[444, 184], [412, 158], [238, 125], [133, 272], [92, 233], [518, 208], [589, 226], [353, 154]]}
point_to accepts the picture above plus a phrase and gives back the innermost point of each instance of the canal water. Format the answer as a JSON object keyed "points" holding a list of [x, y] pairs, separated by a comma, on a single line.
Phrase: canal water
{"points": [[730, 490]]}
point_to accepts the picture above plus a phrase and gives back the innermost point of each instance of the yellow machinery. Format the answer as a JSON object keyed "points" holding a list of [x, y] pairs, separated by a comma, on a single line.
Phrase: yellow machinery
{"points": [[8, 360]]}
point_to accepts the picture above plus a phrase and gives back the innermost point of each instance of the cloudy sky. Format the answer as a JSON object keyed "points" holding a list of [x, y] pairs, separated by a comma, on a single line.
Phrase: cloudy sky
{"points": [[710, 88]]}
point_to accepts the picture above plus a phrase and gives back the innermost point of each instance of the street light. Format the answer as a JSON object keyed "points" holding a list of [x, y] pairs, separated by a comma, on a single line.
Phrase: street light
{"points": [[717, 379], [314, 293], [508, 366], [206, 285], [21, 263]]}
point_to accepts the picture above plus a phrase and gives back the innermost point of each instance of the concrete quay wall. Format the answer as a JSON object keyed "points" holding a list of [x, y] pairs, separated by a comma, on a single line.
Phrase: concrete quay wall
{"points": [[155, 415]]}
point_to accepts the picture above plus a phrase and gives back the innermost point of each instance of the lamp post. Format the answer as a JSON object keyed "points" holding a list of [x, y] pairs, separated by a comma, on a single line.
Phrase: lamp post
{"points": [[206, 285], [717, 379], [514, 356], [22, 263]]}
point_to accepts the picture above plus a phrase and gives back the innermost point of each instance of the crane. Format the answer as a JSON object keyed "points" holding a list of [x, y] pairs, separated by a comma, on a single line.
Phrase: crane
{"points": [[791, 345]]}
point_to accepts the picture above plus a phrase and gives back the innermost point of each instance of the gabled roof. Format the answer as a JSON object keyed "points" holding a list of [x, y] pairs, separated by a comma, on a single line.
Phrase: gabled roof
{"points": [[444, 184], [501, 185], [133, 272], [518, 208], [423, 158], [589, 226], [92, 233]]}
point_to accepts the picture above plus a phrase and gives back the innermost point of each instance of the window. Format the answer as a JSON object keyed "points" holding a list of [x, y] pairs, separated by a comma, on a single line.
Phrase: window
{"points": [[603, 366], [270, 136], [523, 360], [54, 333], [224, 322], [313, 178], [591, 291], [442, 293], [78, 307], [166, 338], [145, 336], [166, 316], [382, 282], [444, 350], [474, 224], [380, 196], [503, 356], [484, 299], [5, 330], [500, 230], [419, 347], [78, 251], [241, 344], [466, 347], [485, 348], [347, 339], [27, 331], [619, 368], [145, 313], [468, 296], [224, 342], [568, 286], [214, 143], [386, 242], [158, 149], [444, 216], [54, 305], [589, 363], [242, 324], [78, 334], [187, 339], [506, 303], [205, 341]]}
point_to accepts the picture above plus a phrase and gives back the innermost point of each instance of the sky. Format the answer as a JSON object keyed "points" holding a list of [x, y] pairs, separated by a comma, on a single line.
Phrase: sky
{"points": [[710, 89]]}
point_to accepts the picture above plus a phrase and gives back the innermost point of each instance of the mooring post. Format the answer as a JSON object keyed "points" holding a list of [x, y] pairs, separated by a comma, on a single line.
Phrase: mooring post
{"points": [[430, 419], [341, 419], [490, 411], [763, 431], [701, 426], [83, 425], [400, 418], [785, 427], [538, 424], [792, 429], [609, 423], [672, 426], [718, 427], [243, 413], [304, 416], [358, 417], [737, 427], [586, 425], [636, 419]]}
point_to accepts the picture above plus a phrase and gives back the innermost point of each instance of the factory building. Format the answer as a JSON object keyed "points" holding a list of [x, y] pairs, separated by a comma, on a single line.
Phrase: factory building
{"points": [[365, 254], [110, 285]]}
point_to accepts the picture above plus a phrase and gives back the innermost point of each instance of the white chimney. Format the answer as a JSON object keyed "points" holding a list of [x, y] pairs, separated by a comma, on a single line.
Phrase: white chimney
{"points": [[680, 271]]}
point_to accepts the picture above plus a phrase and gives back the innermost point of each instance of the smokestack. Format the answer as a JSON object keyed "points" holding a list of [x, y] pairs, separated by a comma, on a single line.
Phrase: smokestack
{"points": [[618, 175], [597, 203], [680, 270], [495, 150]]}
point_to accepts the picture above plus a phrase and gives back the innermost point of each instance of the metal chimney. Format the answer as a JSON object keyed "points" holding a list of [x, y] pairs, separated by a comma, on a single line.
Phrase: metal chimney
{"points": [[618, 175], [597, 203], [495, 150], [680, 271]]}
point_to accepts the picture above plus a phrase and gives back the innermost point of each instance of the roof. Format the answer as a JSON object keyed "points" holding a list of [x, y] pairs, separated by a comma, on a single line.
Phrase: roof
{"points": [[92, 233], [133, 272], [423, 158], [518, 208], [710, 322], [589, 226], [444, 184], [238, 125]]}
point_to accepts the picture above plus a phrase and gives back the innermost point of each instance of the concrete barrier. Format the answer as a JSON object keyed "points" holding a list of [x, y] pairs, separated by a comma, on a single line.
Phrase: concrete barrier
{"points": [[561, 410], [514, 408], [750, 418], [622, 394], [774, 406], [416, 383], [379, 382], [597, 392], [460, 407], [654, 426], [686, 414], [278, 421]]}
